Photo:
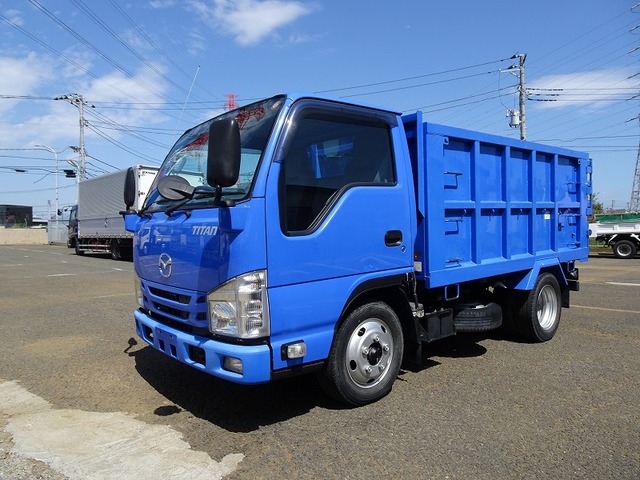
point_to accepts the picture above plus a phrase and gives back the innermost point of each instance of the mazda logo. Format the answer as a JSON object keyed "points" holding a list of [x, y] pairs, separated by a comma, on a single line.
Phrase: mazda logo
{"points": [[164, 265]]}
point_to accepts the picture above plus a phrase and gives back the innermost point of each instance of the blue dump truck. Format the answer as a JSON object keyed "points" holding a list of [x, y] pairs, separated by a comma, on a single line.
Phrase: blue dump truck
{"points": [[304, 234]]}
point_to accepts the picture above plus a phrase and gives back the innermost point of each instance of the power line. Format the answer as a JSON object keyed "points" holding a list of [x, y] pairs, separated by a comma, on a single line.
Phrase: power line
{"points": [[93, 48], [448, 80], [63, 57], [159, 50], [415, 77], [98, 21]]}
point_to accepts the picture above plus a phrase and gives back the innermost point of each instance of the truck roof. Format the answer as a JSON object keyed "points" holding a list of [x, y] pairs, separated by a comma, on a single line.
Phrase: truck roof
{"points": [[300, 95]]}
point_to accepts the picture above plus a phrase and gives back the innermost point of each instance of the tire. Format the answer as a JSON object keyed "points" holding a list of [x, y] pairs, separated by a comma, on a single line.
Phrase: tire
{"points": [[365, 357], [624, 249], [538, 317], [116, 251], [77, 248], [506, 298], [478, 317]]}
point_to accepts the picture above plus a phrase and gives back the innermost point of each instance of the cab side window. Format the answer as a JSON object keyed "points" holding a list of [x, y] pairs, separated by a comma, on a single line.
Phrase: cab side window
{"points": [[328, 154]]}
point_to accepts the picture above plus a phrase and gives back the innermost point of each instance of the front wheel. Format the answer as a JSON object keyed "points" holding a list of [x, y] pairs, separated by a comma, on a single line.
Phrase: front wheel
{"points": [[538, 317], [116, 251], [366, 355]]}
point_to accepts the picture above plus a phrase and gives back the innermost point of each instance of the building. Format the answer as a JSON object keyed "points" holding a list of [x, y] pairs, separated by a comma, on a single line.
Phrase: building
{"points": [[16, 216]]}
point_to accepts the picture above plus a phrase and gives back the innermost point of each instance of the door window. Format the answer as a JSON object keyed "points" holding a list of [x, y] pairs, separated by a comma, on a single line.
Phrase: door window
{"points": [[328, 153]]}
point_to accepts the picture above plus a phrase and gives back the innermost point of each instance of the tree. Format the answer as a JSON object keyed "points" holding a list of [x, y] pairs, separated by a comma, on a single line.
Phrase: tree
{"points": [[596, 206]]}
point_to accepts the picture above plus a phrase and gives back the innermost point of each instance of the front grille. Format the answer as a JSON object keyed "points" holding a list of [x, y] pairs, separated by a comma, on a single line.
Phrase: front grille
{"points": [[178, 305], [175, 297], [181, 326], [184, 315]]}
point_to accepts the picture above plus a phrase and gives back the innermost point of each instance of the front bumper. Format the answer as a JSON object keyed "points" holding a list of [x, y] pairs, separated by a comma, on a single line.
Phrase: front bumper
{"points": [[206, 354]]}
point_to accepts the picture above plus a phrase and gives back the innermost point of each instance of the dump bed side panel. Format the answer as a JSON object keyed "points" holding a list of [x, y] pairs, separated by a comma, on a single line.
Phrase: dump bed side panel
{"points": [[492, 205]]}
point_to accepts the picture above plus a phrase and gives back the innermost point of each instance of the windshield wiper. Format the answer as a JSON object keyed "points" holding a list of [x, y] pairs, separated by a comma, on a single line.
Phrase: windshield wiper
{"points": [[197, 195], [176, 188], [143, 212], [169, 211]]}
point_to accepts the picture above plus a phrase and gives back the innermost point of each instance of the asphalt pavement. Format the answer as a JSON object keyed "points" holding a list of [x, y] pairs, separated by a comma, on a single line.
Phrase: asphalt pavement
{"points": [[82, 397]]}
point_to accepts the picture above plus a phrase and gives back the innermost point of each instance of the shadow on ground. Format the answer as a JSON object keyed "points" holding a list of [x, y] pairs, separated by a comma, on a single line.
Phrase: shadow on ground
{"points": [[244, 408]]}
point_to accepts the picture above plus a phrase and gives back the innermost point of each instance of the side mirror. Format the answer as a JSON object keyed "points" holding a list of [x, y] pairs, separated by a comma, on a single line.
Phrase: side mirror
{"points": [[130, 188], [174, 187], [223, 159]]}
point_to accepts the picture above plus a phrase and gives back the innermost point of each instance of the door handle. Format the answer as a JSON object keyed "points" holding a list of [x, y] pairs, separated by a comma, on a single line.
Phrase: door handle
{"points": [[393, 238]]}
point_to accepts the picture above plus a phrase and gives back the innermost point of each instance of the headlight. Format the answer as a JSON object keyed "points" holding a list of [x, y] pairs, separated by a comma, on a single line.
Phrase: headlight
{"points": [[137, 288], [239, 307]]}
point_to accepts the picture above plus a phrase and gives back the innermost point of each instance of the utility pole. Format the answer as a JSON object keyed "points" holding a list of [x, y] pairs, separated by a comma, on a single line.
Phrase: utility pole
{"points": [[517, 118], [523, 96], [634, 204], [77, 101], [55, 154]]}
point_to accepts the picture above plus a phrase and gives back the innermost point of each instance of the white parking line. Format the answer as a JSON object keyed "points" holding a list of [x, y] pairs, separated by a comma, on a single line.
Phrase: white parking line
{"points": [[605, 309], [80, 444], [623, 284]]}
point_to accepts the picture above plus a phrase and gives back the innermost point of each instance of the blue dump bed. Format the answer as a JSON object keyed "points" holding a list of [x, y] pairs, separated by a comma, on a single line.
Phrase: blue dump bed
{"points": [[490, 205]]}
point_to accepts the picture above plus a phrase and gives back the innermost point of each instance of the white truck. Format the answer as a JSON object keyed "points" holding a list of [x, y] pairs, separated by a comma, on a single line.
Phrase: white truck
{"points": [[620, 231], [100, 226]]}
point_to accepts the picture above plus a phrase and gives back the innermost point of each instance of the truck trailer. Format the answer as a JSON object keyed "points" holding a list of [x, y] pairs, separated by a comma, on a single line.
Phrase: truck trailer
{"points": [[95, 224], [307, 234], [620, 231]]}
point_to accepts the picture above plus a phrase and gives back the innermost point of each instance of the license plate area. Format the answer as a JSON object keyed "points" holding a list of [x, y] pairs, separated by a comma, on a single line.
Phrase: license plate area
{"points": [[167, 342]]}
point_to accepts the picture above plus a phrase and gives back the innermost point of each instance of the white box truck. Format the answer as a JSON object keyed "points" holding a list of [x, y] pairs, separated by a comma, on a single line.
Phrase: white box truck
{"points": [[620, 231], [100, 226]]}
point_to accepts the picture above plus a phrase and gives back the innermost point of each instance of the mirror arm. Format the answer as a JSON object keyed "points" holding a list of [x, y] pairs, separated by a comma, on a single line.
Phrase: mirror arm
{"points": [[217, 200]]}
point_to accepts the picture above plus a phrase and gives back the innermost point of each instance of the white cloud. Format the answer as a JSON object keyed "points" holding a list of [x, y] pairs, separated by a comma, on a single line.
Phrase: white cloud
{"points": [[249, 21], [302, 38], [196, 43], [595, 89], [160, 4], [14, 17], [144, 88], [70, 70], [56, 122], [21, 77]]}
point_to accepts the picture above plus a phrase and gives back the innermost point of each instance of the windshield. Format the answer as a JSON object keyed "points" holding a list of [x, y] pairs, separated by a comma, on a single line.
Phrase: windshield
{"points": [[188, 157]]}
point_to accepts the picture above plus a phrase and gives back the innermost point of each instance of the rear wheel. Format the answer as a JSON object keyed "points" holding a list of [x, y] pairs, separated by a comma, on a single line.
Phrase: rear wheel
{"points": [[538, 317], [624, 249], [366, 356]]}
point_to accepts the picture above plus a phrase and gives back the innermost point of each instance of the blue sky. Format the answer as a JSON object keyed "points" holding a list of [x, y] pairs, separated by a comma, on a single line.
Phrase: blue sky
{"points": [[150, 69]]}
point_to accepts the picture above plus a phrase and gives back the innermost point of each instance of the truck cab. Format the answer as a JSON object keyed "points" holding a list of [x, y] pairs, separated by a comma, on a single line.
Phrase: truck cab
{"points": [[317, 184], [72, 228]]}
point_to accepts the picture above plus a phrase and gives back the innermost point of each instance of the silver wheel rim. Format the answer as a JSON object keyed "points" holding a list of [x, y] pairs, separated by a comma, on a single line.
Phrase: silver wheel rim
{"points": [[547, 307], [369, 353], [624, 250]]}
